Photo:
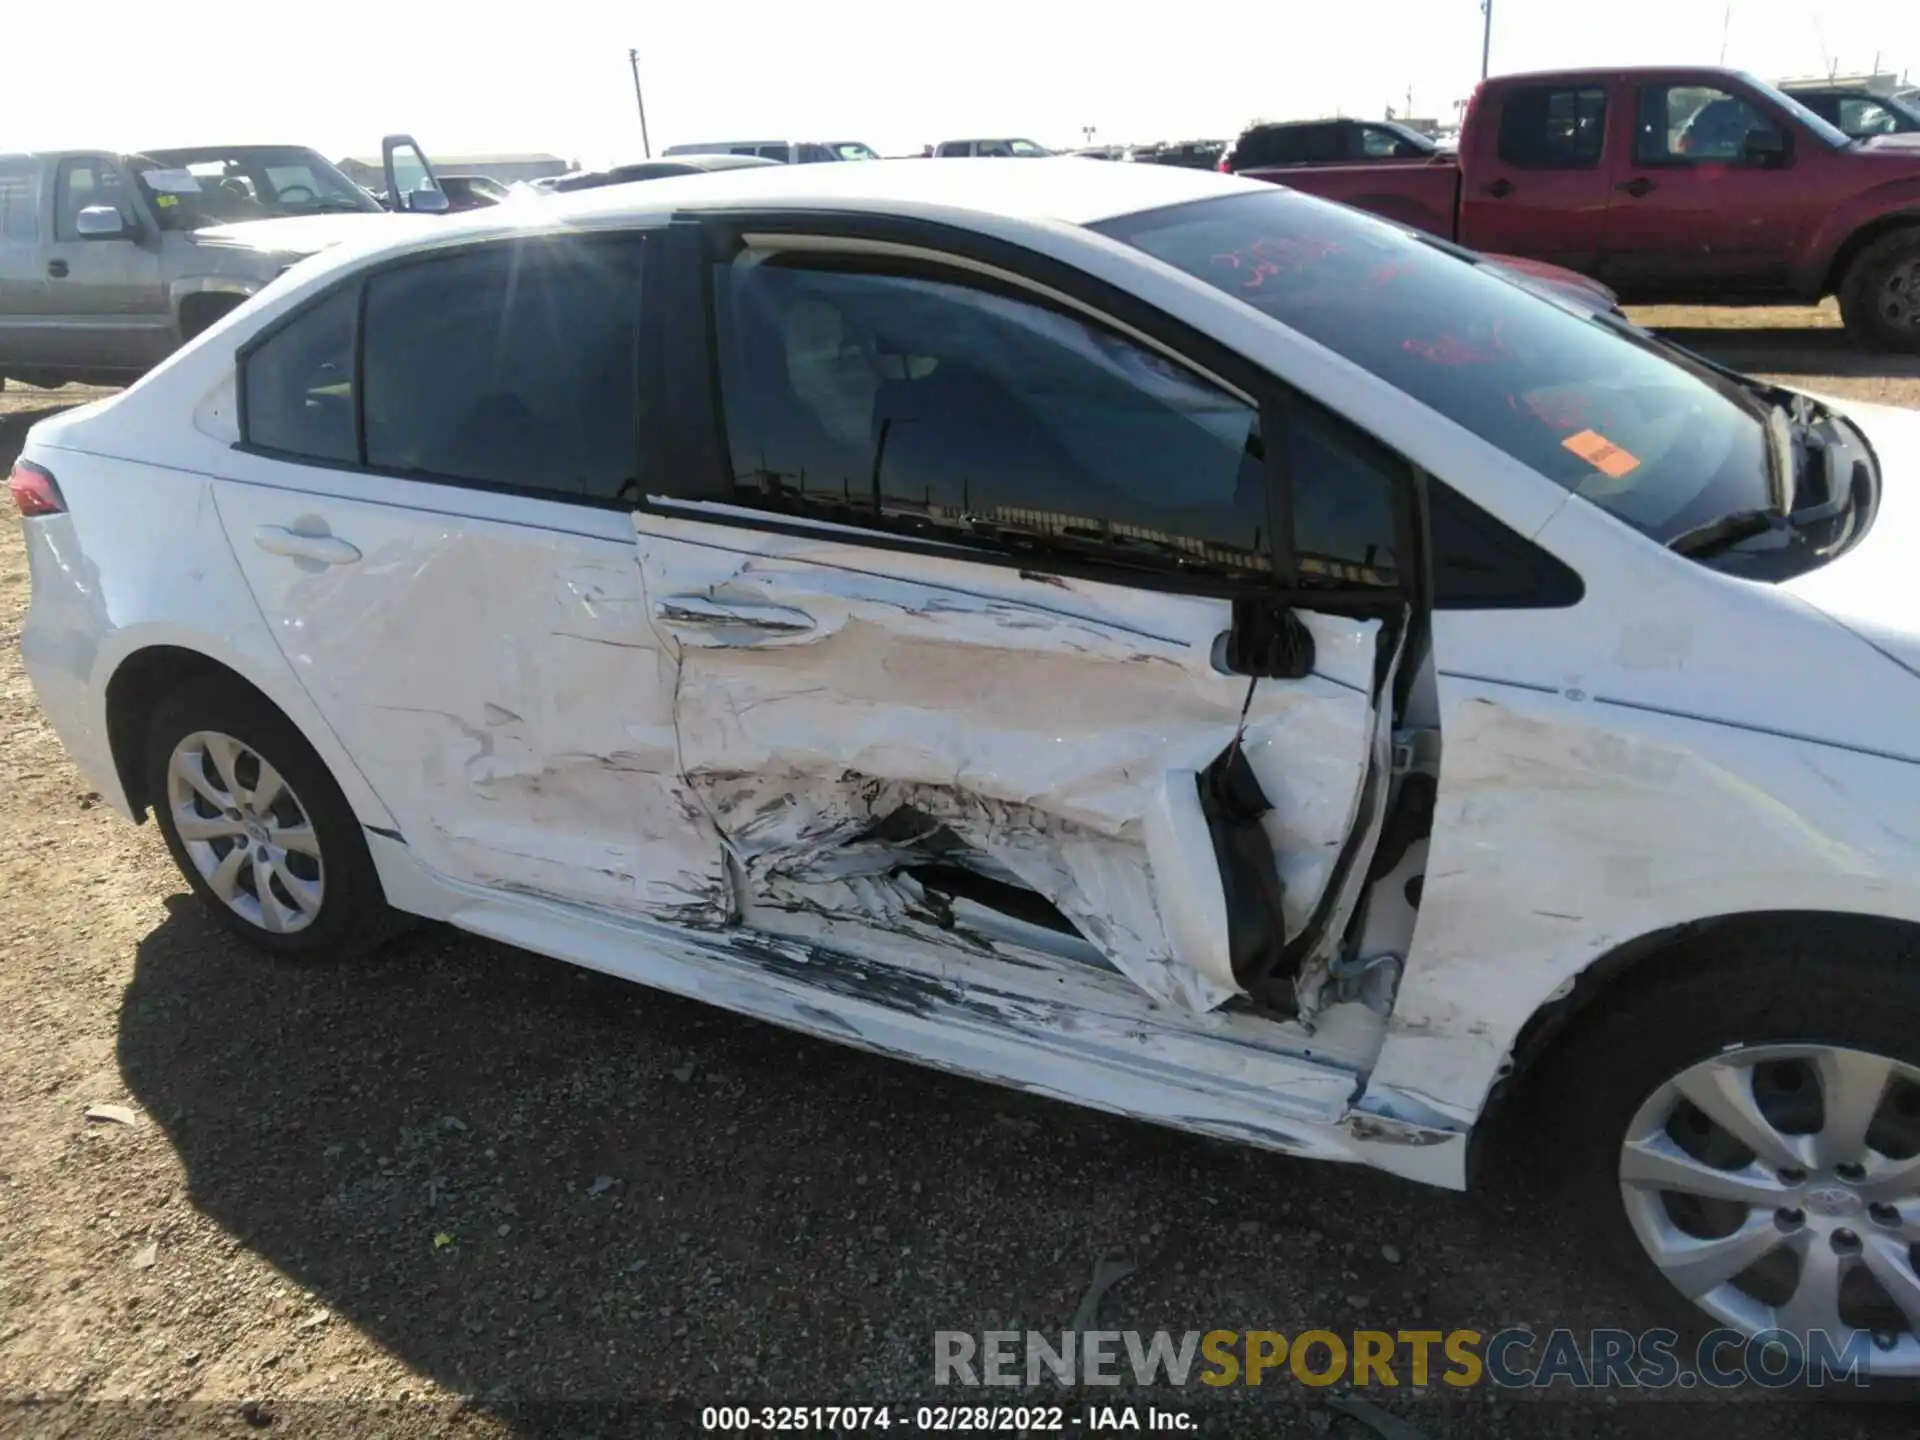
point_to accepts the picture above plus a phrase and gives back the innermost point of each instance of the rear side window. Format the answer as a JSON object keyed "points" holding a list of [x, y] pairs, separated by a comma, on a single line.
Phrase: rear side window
{"points": [[1553, 128], [1290, 145], [297, 384], [19, 201], [1262, 145], [509, 365]]}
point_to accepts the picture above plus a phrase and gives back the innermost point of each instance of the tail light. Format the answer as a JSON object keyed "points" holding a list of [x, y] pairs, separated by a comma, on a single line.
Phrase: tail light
{"points": [[33, 490], [1225, 167]]}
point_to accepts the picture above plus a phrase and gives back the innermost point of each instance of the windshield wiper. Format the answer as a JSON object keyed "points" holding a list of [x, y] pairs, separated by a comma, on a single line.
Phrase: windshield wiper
{"points": [[1734, 528]]}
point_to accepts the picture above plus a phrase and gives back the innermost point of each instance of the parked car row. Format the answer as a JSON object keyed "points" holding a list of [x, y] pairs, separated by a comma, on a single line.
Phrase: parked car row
{"points": [[1692, 185]]}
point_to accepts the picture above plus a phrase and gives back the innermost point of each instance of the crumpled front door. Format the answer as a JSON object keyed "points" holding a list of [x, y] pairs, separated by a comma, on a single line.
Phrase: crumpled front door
{"points": [[851, 715]]}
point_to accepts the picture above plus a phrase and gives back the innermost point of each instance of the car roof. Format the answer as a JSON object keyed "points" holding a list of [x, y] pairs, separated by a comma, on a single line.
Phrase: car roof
{"points": [[1062, 188]]}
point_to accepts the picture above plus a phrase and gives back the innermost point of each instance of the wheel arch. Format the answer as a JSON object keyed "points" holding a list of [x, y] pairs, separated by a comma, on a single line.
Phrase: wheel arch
{"points": [[1857, 242], [147, 673], [1617, 977]]}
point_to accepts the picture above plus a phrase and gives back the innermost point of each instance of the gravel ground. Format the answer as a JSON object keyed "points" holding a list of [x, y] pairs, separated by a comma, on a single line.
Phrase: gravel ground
{"points": [[456, 1189]]}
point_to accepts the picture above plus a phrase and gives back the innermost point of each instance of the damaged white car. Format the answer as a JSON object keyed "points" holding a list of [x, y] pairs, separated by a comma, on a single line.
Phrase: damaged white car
{"points": [[1145, 637]]}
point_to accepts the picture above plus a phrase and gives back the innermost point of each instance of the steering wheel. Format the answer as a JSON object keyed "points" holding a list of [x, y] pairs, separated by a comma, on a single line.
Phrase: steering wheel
{"points": [[286, 193]]}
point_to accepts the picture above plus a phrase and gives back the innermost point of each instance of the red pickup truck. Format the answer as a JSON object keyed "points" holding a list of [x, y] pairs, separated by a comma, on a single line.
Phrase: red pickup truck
{"points": [[1692, 185]]}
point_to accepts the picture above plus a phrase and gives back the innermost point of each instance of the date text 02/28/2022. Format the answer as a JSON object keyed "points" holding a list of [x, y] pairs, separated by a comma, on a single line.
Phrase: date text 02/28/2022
{"points": [[944, 1419]]}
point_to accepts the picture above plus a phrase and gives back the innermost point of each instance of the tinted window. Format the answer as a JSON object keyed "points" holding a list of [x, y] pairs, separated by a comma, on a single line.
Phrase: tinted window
{"points": [[508, 365], [911, 403], [1658, 443], [82, 182], [1543, 128], [1344, 494], [1860, 116], [1313, 144], [1688, 124], [20, 200], [1479, 564], [298, 383], [1378, 144]]}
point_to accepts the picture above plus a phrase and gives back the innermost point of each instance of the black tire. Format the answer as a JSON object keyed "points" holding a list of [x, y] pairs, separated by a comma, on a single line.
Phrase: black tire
{"points": [[1863, 307], [352, 915], [1843, 983]]}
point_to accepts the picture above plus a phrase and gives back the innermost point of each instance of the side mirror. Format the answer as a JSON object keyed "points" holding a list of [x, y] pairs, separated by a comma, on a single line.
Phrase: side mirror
{"points": [[411, 182], [102, 222], [1765, 149]]}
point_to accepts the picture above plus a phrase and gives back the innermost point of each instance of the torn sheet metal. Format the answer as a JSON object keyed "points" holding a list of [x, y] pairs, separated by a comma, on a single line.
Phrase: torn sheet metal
{"points": [[1035, 721]]}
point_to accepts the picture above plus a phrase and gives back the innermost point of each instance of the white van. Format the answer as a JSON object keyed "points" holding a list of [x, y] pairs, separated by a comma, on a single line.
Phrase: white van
{"points": [[792, 152]]}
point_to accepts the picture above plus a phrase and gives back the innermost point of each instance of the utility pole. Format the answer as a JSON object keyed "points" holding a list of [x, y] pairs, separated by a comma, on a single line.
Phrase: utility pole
{"points": [[633, 59], [1486, 37]]}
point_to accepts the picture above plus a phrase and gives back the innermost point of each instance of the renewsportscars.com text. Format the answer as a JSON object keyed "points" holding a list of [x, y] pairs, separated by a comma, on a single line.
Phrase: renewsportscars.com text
{"points": [[1514, 1358]]}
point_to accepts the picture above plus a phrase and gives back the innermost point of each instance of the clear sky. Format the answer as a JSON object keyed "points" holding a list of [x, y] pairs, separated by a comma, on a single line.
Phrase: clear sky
{"points": [[553, 76]]}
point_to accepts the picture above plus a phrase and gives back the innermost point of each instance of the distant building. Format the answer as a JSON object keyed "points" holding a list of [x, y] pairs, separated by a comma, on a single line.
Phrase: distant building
{"points": [[504, 168]]}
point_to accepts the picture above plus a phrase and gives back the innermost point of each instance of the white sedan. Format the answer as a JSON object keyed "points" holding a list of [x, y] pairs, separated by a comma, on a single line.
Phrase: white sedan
{"points": [[1125, 632]]}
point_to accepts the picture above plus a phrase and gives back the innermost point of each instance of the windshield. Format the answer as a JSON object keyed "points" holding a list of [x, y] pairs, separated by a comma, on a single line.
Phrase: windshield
{"points": [[852, 150], [189, 189], [1027, 147], [1649, 437], [1829, 132]]}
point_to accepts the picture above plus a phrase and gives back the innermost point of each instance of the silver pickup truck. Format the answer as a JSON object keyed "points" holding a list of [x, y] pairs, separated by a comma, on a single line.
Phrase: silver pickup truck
{"points": [[108, 263]]}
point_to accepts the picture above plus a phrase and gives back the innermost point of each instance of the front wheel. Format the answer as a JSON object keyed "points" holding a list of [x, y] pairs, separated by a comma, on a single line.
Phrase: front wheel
{"points": [[257, 825], [1744, 1138], [1880, 296]]}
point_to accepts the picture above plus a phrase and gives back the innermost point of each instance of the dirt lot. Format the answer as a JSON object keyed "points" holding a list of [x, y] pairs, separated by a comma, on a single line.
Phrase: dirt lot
{"points": [[450, 1188]]}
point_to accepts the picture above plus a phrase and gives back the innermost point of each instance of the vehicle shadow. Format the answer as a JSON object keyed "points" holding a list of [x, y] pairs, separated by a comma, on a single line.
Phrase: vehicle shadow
{"points": [[529, 1182], [1801, 351]]}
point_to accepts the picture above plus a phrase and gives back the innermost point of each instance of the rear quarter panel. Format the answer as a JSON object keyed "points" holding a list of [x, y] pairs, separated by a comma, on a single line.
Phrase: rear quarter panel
{"points": [[140, 559]]}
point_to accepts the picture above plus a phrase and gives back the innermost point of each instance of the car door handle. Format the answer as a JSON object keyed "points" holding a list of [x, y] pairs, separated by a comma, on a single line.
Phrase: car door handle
{"points": [[703, 615], [57, 269], [1500, 189], [1636, 187], [327, 549]]}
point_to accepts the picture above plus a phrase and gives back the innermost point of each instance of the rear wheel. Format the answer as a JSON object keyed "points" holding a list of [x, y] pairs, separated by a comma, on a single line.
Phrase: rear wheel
{"points": [[1880, 297], [257, 825], [1744, 1139]]}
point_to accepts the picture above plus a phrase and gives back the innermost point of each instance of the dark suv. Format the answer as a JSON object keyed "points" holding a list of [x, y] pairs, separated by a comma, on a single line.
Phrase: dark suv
{"points": [[1324, 142]]}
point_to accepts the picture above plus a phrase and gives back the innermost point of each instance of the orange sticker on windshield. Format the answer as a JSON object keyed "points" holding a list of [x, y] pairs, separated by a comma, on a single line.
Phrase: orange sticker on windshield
{"points": [[1601, 453]]}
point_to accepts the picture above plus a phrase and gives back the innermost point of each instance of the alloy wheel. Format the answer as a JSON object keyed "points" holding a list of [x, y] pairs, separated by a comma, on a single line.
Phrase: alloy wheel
{"points": [[1778, 1187], [246, 832]]}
